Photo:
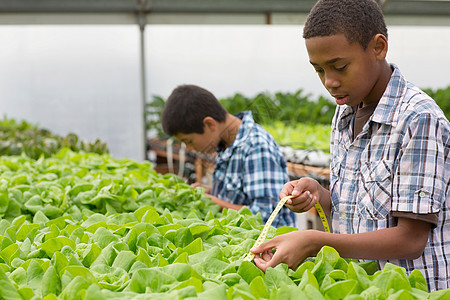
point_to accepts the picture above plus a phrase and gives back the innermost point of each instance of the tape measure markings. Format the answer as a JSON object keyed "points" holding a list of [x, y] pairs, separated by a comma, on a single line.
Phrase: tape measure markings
{"points": [[322, 216], [262, 236]]}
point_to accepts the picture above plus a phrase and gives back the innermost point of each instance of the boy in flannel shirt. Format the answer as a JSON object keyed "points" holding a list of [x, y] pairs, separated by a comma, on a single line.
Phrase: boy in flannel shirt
{"points": [[389, 186], [249, 170]]}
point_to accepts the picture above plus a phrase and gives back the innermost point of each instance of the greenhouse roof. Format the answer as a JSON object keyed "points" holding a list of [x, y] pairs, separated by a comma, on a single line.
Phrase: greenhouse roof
{"points": [[242, 10], [411, 7]]}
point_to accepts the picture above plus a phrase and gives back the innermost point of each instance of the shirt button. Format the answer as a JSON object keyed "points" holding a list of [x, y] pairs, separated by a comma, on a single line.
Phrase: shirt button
{"points": [[422, 194]]}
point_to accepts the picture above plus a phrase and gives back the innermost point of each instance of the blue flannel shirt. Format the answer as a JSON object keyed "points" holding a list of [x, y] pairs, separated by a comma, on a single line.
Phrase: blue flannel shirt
{"points": [[399, 163], [252, 172]]}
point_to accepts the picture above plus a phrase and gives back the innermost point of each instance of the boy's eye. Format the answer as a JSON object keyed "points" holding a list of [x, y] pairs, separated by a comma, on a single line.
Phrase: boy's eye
{"points": [[340, 68], [320, 71]]}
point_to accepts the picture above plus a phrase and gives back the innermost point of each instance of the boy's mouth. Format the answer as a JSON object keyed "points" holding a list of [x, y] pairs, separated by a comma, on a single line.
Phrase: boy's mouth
{"points": [[340, 100]]}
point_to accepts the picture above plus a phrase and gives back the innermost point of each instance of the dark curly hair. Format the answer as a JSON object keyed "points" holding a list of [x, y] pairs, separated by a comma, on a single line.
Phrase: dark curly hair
{"points": [[186, 108], [358, 20]]}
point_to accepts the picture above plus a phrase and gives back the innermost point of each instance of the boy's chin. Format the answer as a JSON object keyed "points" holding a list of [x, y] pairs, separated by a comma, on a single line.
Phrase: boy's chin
{"points": [[210, 152]]}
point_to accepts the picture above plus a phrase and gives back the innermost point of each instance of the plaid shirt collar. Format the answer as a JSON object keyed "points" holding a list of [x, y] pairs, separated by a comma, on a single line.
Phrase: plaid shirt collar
{"points": [[241, 136]]}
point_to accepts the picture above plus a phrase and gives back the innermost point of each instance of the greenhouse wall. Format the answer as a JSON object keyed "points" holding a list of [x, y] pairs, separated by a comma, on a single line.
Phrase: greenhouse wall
{"points": [[86, 78]]}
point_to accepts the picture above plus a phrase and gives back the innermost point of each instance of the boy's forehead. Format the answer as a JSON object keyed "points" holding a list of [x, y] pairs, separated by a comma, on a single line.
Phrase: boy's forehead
{"points": [[182, 136], [330, 47], [334, 41], [187, 136]]}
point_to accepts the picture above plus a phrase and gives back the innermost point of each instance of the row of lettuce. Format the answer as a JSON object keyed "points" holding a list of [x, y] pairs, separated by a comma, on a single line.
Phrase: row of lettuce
{"points": [[297, 120], [87, 226]]}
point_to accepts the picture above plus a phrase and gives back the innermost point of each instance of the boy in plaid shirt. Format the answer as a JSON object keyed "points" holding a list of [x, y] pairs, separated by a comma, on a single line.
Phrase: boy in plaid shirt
{"points": [[389, 187], [249, 170]]}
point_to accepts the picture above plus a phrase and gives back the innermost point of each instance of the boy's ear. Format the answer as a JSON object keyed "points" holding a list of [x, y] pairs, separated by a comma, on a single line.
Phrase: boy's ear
{"points": [[210, 123], [380, 46]]}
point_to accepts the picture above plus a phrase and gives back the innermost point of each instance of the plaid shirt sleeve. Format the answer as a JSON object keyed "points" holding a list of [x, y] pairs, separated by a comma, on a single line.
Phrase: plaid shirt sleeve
{"points": [[420, 180]]}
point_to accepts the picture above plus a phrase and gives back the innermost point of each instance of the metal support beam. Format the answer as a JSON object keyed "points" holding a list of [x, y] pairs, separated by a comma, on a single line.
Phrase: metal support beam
{"points": [[408, 7], [417, 7], [142, 21], [182, 6], [191, 11]]}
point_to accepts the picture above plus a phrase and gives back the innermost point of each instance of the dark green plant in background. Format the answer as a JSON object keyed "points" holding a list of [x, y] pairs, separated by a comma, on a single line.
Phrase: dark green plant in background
{"points": [[17, 137], [442, 98], [289, 108], [153, 112]]}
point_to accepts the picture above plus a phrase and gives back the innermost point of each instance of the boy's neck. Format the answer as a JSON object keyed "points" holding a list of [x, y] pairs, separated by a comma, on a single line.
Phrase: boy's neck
{"points": [[380, 85], [229, 129]]}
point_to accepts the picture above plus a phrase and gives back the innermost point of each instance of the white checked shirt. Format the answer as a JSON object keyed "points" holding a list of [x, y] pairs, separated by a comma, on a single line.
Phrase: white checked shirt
{"points": [[399, 162]]}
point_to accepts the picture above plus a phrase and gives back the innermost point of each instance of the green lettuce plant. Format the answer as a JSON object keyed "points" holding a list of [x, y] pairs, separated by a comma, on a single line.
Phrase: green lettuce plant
{"points": [[87, 226]]}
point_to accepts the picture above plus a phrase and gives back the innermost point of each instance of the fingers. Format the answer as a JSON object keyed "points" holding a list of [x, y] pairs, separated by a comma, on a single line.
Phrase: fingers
{"points": [[291, 248], [267, 255], [265, 247], [302, 203], [264, 257], [267, 260], [295, 188], [206, 187], [287, 189]]}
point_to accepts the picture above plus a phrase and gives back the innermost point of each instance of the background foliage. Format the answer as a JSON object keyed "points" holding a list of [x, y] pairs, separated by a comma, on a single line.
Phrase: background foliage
{"points": [[283, 107], [442, 98], [17, 137], [293, 119]]}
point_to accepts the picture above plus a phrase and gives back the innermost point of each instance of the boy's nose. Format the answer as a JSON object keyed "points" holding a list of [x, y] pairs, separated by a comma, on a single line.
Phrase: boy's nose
{"points": [[331, 82]]}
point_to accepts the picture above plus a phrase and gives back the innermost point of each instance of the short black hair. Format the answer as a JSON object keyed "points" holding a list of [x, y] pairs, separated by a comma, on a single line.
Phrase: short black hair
{"points": [[186, 108], [358, 20]]}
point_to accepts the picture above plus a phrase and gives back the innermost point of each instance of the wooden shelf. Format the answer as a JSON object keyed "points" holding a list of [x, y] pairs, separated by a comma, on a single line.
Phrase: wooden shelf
{"points": [[304, 170], [205, 163]]}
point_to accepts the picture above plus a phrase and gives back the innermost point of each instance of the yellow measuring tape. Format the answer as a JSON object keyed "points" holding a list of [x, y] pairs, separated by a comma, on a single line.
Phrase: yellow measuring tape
{"points": [[322, 216], [263, 234]]}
